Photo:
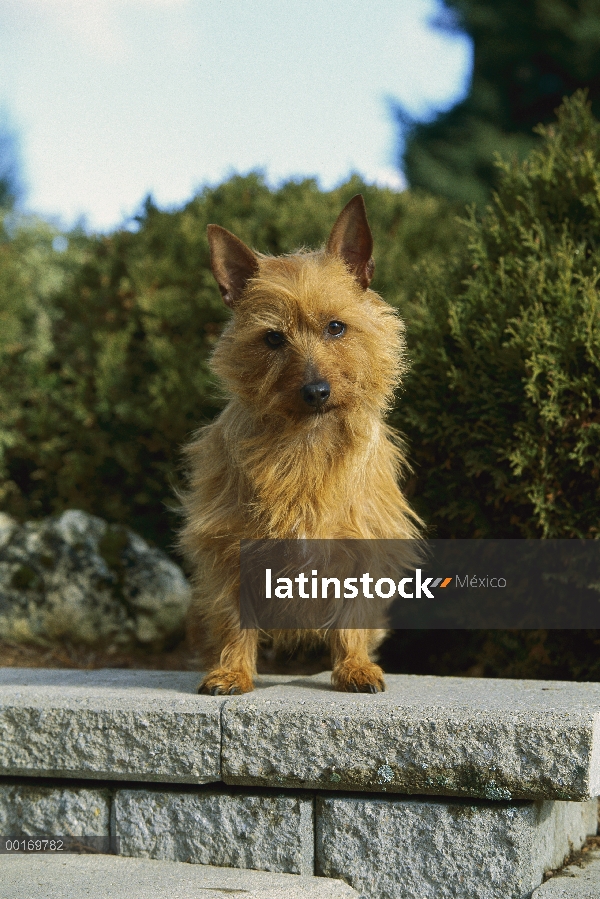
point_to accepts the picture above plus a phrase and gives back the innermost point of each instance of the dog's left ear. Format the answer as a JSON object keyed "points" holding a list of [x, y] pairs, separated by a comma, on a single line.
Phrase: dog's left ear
{"points": [[352, 241]]}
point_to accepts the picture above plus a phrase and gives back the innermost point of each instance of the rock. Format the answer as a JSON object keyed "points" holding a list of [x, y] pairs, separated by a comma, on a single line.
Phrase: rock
{"points": [[118, 727], [491, 739], [74, 577], [384, 847]]}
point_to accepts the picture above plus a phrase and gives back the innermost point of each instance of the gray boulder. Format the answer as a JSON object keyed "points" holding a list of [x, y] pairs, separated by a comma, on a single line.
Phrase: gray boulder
{"points": [[74, 577]]}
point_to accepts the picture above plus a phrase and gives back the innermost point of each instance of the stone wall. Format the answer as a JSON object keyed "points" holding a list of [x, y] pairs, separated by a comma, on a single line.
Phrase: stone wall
{"points": [[441, 787]]}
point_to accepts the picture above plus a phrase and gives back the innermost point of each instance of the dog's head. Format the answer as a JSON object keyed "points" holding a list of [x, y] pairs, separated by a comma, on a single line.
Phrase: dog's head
{"points": [[308, 340]]}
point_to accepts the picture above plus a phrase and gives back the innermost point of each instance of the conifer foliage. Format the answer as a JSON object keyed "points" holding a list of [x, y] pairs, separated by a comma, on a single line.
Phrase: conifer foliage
{"points": [[104, 347], [527, 55], [502, 407]]}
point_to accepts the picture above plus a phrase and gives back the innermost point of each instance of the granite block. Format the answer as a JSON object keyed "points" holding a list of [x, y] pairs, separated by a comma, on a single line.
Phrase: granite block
{"points": [[478, 737], [266, 831], [388, 848], [109, 724]]}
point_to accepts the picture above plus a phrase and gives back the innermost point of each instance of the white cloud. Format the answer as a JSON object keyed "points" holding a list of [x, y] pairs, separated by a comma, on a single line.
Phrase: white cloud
{"points": [[95, 24], [115, 98], [387, 177]]}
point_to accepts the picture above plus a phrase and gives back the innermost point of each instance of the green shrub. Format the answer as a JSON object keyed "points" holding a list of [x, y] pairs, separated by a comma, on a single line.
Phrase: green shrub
{"points": [[32, 271], [116, 380], [104, 349], [502, 406]]}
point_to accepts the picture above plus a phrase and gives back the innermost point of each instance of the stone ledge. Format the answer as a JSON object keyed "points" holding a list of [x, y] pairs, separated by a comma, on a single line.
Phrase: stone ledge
{"points": [[108, 724], [103, 876], [485, 738]]}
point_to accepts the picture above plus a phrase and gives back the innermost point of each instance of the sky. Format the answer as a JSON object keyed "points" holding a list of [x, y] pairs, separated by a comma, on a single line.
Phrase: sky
{"points": [[115, 99]]}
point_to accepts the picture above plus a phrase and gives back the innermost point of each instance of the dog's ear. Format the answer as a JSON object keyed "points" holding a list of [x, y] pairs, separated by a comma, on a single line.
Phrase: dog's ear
{"points": [[352, 241], [231, 262]]}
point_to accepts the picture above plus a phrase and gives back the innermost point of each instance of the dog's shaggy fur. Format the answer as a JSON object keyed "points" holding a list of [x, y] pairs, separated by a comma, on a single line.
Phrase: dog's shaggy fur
{"points": [[310, 360]]}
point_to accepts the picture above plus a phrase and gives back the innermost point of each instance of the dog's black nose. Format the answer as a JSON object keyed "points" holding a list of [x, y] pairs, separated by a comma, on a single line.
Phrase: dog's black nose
{"points": [[316, 394]]}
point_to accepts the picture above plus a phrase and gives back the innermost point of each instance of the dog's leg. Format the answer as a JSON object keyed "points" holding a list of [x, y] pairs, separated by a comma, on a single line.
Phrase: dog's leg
{"points": [[353, 670], [237, 664]]}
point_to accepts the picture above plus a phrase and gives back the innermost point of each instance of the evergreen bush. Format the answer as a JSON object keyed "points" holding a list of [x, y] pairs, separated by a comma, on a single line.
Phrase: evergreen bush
{"points": [[527, 56], [104, 375], [502, 405], [113, 377]]}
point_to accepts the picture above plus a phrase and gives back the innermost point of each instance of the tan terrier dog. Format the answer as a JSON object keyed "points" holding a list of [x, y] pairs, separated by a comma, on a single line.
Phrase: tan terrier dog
{"points": [[310, 360]]}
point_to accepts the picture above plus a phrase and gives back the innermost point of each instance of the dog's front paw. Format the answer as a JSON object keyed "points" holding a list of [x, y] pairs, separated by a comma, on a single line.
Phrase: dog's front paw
{"points": [[355, 677], [224, 682]]}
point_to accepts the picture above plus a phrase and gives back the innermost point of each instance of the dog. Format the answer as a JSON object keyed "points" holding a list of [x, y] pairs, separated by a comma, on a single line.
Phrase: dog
{"points": [[309, 360]]}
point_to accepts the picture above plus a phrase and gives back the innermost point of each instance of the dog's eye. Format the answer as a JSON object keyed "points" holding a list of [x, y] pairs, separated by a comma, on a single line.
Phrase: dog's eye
{"points": [[336, 329], [274, 339]]}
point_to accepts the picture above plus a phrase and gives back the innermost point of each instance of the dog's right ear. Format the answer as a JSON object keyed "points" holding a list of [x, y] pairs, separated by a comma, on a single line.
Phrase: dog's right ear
{"points": [[231, 262]]}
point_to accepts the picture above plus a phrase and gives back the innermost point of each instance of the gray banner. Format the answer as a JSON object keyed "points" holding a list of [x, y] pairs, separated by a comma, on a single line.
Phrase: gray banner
{"points": [[466, 584]]}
